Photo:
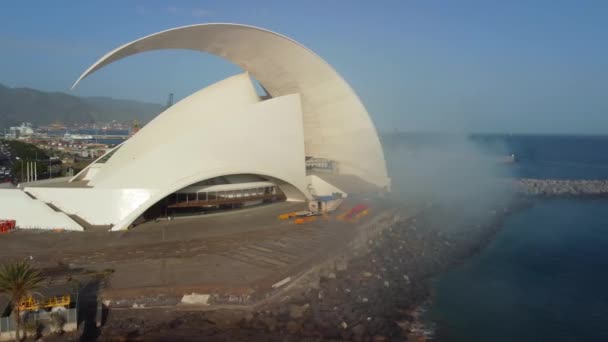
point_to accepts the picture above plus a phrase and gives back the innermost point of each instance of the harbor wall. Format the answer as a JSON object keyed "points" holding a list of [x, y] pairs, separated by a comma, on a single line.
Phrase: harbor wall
{"points": [[558, 187]]}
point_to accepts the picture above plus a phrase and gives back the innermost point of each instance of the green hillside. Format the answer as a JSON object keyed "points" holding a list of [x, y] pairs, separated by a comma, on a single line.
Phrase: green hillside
{"points": [[40, 108]]}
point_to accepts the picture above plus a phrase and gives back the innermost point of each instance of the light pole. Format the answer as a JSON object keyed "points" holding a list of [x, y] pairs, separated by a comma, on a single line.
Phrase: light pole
{"points": [[21, 180]]}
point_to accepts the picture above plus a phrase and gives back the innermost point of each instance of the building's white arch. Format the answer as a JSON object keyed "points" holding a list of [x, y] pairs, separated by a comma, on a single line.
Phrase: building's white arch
{"points": [[336, 124], [292, 192]]}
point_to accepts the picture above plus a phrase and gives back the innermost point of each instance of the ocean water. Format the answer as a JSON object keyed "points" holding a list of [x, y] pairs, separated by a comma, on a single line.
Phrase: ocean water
{"points": [[551, 156], [545, 275]]}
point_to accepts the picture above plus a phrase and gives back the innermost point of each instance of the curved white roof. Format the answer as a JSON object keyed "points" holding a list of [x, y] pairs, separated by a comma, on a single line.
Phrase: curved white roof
{"points": [[219, 131], [336, 124]]}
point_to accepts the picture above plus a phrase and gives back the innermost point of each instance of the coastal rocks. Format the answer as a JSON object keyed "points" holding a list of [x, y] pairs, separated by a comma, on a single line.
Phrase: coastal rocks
{"points": [[293, 327], [364, 302], [554, 187], [359, 332], [297, 311], [341, 265], [270, 323]]}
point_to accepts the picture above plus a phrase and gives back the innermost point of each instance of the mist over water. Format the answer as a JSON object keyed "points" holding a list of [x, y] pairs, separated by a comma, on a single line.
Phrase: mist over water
{"points": [[452, 172], [541, 278]]}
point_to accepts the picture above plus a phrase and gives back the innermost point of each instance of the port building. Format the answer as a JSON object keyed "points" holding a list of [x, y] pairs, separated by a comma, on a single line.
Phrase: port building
{"points": [[307, 137]]}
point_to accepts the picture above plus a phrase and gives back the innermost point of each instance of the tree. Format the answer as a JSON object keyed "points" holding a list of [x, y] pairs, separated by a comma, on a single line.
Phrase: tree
{"points": [[18, 280]]}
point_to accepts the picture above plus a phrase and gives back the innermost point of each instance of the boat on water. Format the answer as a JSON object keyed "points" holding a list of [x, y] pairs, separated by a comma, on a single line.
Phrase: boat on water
{"points": [[508, 159]]}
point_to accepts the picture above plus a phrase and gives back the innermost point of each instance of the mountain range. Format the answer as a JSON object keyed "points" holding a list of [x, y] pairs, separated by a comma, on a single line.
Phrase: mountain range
{"points": [[19, 105]]}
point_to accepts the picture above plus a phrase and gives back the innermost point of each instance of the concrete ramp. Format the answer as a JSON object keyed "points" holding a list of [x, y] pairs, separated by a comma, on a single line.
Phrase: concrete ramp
{"points": [[31, 213]]}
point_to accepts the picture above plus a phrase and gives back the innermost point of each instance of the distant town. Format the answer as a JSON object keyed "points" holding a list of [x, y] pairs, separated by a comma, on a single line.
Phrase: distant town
{"points": [[29, 153]]}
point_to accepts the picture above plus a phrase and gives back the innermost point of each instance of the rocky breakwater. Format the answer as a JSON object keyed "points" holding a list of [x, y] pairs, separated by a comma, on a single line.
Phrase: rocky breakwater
{"points": [[555, 187], [373, 297]]}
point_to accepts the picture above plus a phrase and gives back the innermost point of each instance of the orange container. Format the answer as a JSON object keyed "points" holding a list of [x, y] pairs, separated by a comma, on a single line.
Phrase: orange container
{"points": [[302, 220], [287, 216]]}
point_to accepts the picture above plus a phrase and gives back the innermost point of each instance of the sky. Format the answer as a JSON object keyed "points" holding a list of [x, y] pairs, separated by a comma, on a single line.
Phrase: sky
{"points": [[465, 66]]}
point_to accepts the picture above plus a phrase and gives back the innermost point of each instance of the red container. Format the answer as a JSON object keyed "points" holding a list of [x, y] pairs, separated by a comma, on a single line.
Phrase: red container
{"points": [[7, 225], [354, 211]]}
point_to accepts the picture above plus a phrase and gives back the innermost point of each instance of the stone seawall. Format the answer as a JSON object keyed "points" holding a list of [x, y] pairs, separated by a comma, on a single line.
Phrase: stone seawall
{"points": [[554, 187]]}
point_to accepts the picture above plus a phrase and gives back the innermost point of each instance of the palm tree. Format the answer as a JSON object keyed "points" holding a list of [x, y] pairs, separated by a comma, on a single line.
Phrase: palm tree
{"points": [[18, 280]]}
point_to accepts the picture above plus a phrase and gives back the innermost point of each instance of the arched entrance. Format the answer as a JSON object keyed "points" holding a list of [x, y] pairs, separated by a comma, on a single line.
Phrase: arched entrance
{"points": [[218, 194]]}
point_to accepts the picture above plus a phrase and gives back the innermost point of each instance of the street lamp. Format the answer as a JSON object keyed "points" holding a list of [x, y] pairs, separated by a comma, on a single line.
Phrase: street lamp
{"points": [[21, 180]]}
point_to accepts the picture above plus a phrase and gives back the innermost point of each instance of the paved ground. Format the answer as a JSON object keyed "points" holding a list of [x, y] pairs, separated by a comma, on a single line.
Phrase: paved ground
{"points": [[240, 251]]}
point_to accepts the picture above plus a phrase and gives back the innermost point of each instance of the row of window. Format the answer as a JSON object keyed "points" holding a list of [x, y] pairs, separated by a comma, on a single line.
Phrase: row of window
{"points": [[221, 195]]}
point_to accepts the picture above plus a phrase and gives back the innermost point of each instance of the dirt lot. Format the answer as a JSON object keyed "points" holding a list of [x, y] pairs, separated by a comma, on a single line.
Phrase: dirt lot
{"points": [[237, 252], [235, 256]]}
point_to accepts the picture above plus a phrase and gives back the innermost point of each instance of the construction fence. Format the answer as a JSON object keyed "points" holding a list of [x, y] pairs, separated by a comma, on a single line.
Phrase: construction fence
{"points": [[7, 324]]}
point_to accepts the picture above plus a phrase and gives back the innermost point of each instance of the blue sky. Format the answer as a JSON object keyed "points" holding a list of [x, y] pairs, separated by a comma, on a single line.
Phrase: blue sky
{"points": [[472, 66]]}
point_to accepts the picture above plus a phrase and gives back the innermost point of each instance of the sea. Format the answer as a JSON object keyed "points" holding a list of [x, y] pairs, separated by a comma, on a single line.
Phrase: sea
{"points": [[544, 277]]}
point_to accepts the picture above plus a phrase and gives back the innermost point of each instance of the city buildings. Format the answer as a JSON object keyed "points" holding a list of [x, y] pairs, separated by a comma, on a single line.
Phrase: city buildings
{"points": [[25, 130]]}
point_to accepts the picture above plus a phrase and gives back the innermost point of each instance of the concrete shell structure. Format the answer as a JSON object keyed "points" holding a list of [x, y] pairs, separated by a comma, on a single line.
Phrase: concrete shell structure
{"points": [[336, 124], [227, 129]]}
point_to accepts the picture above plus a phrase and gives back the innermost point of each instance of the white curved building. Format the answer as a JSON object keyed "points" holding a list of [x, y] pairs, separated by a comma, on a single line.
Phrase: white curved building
{"points": [[225, 140]]}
